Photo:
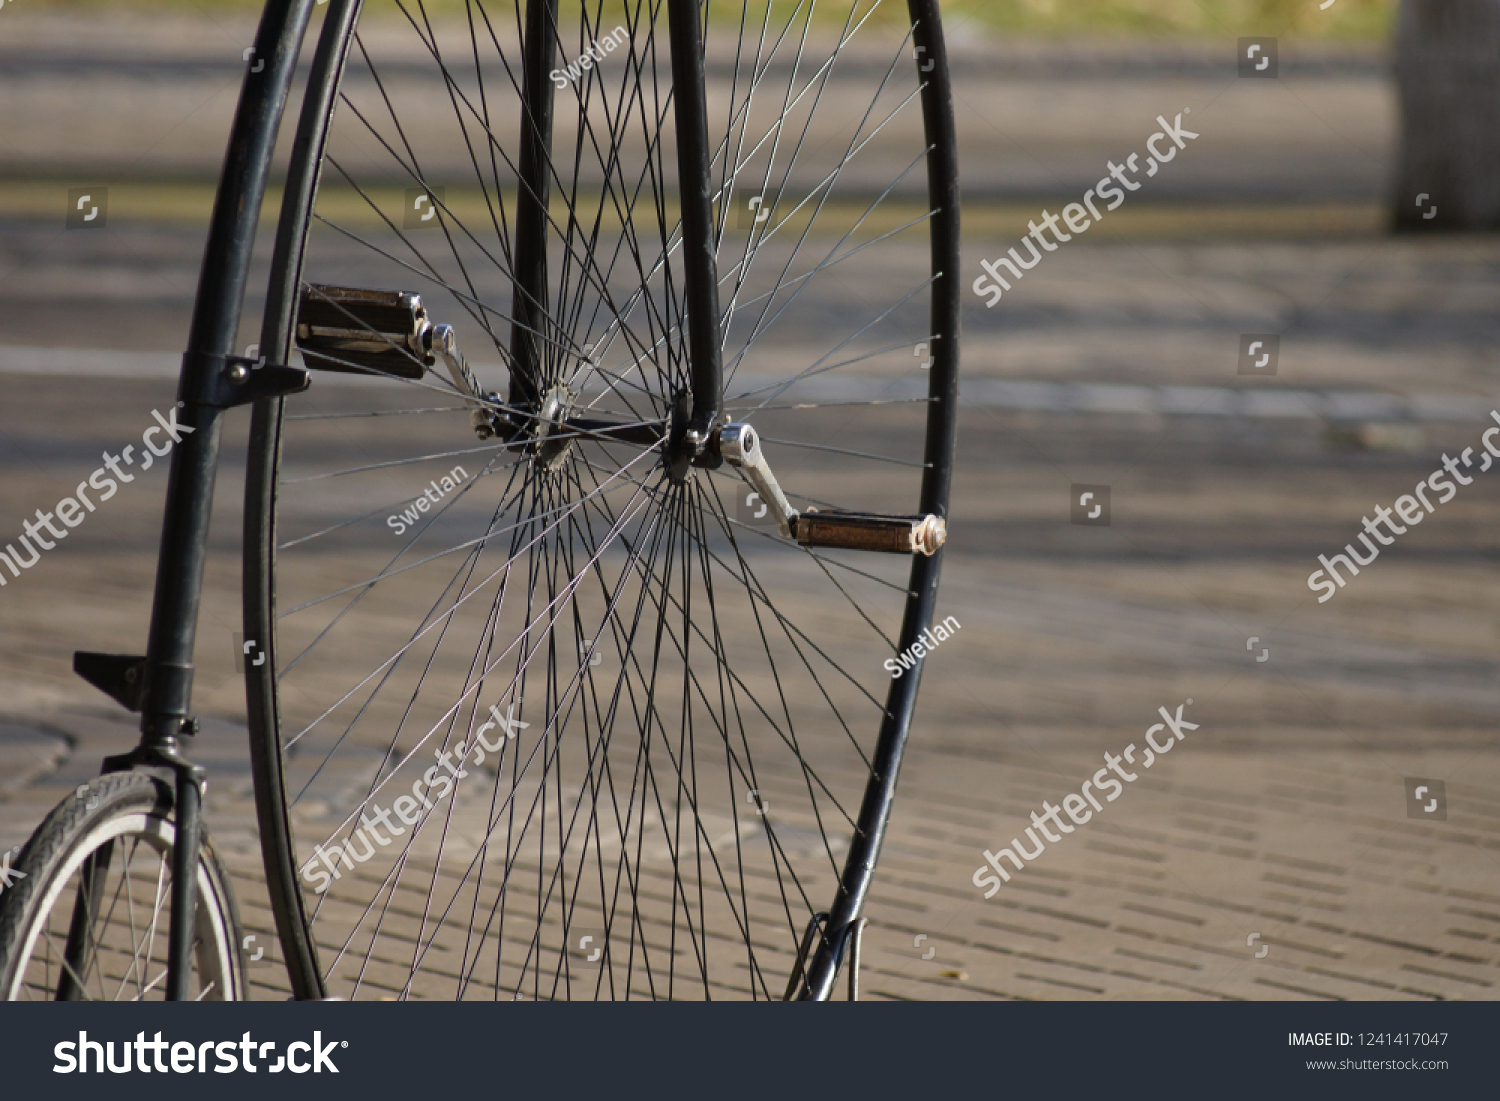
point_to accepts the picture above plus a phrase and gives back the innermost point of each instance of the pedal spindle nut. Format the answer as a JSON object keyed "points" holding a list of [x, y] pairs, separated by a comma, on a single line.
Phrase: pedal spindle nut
{"points": [[929, 535]]}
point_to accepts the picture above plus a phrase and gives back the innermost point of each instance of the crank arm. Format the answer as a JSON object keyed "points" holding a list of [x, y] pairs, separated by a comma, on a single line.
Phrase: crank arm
{"points": [[740, 447], [350, 329], [444, 345]]}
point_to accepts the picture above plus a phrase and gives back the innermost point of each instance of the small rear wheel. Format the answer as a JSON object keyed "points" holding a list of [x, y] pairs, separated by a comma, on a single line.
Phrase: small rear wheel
{"points": [[88, 910]]}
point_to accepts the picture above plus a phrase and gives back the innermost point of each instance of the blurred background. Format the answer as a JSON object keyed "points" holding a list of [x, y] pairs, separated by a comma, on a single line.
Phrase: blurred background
{"points": [[1340, 199]]}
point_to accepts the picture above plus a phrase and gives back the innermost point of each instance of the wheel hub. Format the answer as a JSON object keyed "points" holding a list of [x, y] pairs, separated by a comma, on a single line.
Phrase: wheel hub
{"points": [[549, 441]]}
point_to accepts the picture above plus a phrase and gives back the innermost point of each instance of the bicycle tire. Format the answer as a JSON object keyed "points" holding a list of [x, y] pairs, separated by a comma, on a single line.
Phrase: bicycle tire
{"points": [[305, 783], [43, 906]]}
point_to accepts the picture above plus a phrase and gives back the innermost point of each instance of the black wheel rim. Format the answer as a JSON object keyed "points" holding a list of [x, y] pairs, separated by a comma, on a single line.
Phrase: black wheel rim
{"points": [[660, 572]]}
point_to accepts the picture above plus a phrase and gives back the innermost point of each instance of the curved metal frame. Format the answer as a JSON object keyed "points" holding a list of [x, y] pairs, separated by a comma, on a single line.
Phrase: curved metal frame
{"points": [[263, 462], [942, 424]]}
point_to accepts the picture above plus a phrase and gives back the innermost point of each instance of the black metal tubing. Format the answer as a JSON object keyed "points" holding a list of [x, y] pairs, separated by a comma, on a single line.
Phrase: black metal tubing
{"points": [[942, 423], [303, 176], [699, 254], [183, 926], [87, 905], [529, 329], [179, 573]]}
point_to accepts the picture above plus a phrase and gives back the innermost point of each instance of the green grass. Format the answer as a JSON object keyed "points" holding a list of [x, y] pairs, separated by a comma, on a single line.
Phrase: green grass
{"points": [[1368, 20], [1348, 20]]}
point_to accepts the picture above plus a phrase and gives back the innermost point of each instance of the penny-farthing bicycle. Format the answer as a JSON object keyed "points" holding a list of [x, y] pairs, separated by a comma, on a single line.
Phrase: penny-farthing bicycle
{"points": [[574, 579]]}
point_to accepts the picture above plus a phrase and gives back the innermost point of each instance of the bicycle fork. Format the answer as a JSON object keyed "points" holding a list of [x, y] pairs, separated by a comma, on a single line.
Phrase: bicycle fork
{"points": [[698, 408]]}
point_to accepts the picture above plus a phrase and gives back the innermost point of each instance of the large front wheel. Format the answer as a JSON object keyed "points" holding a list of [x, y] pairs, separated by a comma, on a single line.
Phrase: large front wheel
{"points": [[539, 715]]}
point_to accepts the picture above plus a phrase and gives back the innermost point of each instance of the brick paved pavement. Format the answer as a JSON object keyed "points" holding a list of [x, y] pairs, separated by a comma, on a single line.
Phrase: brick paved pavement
{"points": [[1281, 825]]}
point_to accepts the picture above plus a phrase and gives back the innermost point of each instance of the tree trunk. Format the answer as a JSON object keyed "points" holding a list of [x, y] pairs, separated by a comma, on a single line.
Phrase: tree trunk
{"points": [[1448, 70]]}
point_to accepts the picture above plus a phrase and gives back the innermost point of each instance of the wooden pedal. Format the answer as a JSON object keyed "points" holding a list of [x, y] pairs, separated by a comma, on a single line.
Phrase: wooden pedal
{"points": [[870, 532]]}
